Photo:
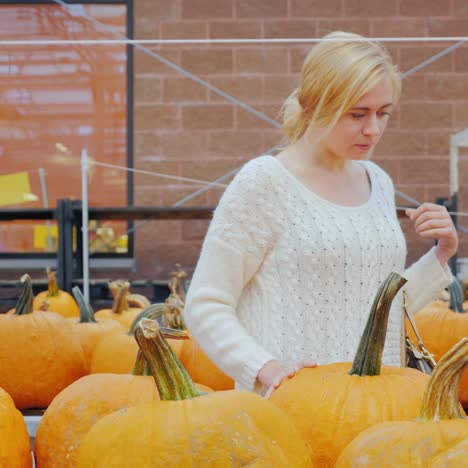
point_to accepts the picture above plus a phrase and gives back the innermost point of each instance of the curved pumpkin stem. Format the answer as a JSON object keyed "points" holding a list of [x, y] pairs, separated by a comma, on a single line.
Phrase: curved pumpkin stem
{"points": [[456, 295], [368, 360], [25, 301], [171, 377], [120, 300], [141, 367], [86, 311], [138, 300], [153, 312], [53, 289], [440, 399]]}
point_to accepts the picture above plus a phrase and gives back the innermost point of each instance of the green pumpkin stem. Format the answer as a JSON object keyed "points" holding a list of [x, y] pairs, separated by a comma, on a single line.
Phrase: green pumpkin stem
{"points": [[53, 289], [120, 301], [440, 400], [86, 311], [368, 360], [25, 302], [141, 367], [457, 296], [171, 378]]}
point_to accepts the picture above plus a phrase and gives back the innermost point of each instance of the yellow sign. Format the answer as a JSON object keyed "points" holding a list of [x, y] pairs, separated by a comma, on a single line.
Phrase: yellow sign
{"points": [[41, 236], [15, 189]]}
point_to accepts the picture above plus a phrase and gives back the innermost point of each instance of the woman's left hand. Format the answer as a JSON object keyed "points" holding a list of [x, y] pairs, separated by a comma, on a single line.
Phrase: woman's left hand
{"points": [[432, 221]]}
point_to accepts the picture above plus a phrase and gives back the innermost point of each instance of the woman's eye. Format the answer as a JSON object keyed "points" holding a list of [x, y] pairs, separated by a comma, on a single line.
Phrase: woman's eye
{"points": [[384, 114], [358, 116]]}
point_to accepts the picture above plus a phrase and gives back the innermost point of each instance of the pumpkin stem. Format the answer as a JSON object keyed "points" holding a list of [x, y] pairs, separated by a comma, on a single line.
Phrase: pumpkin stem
{"points": [[138, 300], [120, 300], [368, 360], [171, 377], [86, 311], [440, 400], [141, 367], [456, 295], [53, 289], [25, 301], [153, 312]]}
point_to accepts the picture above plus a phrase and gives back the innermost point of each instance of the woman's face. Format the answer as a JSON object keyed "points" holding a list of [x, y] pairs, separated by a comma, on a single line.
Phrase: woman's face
{"points": [[358, 131]]}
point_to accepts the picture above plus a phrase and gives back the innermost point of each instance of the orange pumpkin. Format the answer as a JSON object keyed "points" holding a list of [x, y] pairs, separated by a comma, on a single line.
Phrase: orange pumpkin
{"points": [[15, 451], [40, 354], [219, 429], [332, 404], [74, 411], [56, 300], [442, 327], [121, 311], [89, 330], [438, 438]]}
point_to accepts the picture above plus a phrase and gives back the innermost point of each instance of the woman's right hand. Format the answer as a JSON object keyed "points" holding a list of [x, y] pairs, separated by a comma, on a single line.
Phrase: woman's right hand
{"points": [[273, 373]]}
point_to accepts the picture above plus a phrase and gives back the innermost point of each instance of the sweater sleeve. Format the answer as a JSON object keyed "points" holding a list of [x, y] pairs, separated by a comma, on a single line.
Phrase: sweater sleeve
{"points": [[426, 277], [240, 234]]}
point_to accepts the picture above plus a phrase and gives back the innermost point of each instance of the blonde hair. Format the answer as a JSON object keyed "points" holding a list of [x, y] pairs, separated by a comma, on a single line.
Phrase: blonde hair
{"points": [[335, 75]]}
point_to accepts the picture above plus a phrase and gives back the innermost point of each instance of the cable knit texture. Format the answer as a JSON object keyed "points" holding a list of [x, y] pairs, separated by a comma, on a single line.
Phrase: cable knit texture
{"points": [[285, 274]]}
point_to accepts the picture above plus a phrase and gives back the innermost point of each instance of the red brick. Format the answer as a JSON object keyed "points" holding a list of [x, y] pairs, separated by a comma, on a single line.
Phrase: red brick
{"points": [[367, 8], [207, 117], [248, 120], [146, 64], [315, 8], [214, 196], [413, 87], [401, 143], [204, 62], [461, 59], [419, 7], [146, 143], [278, 29], [183, 30], [273, 138], [146, 28], [235, 143], [147, 89], [447, 26], [446, 86], [201, 9], [155, 10], [261, 9], [261, 61], [170, 196], [461, 114], [415, 55], [154, 165], [246, 88], [278, 88], [425, 115], [401, 27], [418, 192], [194, 229], [208, 169], [235, 30], [389, 165], [183, 90], [460, 8], [424, 171], [438, 142], [183, 145], [156, 117], [297, 56], [357, 26]]}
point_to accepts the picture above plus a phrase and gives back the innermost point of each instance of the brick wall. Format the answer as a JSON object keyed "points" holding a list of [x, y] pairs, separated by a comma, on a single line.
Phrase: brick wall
{"points": [[182, 128]]}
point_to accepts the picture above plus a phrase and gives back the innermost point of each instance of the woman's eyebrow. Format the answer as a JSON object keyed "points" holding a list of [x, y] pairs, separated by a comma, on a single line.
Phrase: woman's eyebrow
{"points": [[368, 108]]}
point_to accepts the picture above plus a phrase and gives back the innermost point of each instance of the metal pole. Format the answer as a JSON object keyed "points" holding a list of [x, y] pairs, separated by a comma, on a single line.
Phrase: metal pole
{"points": [[84, 213], [45, 202]]}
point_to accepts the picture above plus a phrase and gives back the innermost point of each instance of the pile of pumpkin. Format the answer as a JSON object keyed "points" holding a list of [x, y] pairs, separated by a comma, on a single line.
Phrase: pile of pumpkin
{"points": [[344, 414]]}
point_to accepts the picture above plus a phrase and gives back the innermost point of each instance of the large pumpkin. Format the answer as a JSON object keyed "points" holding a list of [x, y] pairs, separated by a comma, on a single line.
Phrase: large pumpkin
{"points": [[439, 436], [221, 429], [331, 404], [56, 300], [40, 354], [74, 411], [15, 451], [441, 327]]}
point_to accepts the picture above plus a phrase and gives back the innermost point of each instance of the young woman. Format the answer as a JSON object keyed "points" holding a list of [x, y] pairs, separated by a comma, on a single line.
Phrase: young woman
{"points": [[300, 242]]}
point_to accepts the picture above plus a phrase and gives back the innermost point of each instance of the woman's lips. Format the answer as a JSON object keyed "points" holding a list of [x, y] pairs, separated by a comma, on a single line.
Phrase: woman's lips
{"points": [[364, 147]]}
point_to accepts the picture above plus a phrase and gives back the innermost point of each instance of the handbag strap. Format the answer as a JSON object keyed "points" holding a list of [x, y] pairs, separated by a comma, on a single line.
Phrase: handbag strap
{"points": [[411, 320]]}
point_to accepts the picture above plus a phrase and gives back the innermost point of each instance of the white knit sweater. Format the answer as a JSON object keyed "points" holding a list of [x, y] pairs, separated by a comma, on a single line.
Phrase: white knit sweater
{"points": [[285, 274]]}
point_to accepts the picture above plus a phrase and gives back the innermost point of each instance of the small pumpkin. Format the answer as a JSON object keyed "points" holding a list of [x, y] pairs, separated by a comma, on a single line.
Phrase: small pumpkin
{"points": [[89, 330], [56, 300], [185, 428], [332, 404], [40, 353], [15, 451], [437, 438], [442, 327]]}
